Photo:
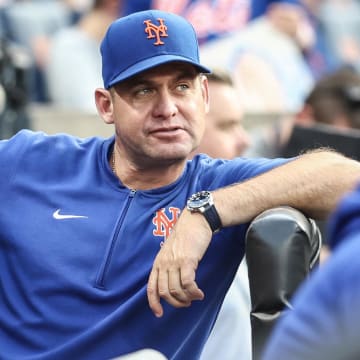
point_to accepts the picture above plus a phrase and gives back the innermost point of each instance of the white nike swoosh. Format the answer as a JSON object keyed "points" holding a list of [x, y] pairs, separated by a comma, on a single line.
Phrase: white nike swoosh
{"points": [[58, 216]]}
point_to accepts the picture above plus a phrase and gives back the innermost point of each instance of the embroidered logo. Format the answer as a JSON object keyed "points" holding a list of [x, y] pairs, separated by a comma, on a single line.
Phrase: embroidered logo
{"points": [[155, 32], [58, 216], [164, 224]]}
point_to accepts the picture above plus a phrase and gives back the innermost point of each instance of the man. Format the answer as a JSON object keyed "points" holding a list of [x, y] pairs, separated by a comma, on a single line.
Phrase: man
{"points": [[77, 259], [224, 135], [225, 138], [70, 86], [329, 328], [332, 105], [266, 59], [334, 101]]}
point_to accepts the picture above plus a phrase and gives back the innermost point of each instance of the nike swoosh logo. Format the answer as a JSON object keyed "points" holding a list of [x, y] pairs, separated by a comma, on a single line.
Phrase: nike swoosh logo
{"points": [[58, 216]]}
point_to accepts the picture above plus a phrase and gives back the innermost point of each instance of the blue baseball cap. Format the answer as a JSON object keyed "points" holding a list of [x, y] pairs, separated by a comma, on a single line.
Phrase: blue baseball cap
{"points": [[146, 39]]}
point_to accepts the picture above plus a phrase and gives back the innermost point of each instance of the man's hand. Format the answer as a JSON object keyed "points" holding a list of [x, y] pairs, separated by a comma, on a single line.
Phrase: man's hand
{"points": [[173, 274]]}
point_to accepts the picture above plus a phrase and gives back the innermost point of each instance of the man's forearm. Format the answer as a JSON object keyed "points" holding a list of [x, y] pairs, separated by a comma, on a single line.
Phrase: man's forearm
{"points": [[313, 183]]}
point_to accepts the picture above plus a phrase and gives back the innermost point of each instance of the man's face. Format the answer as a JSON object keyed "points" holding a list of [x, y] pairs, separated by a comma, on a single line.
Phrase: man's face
{"points": [[159, 115], [224, 135]]}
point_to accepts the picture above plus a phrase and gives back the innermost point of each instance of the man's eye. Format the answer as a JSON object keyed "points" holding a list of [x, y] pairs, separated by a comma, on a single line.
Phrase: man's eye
{"points": [[183, 87], [142, 92]]}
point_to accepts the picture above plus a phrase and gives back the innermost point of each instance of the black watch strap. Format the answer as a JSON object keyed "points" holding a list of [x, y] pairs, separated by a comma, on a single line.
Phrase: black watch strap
{"points": [[213, 218]]}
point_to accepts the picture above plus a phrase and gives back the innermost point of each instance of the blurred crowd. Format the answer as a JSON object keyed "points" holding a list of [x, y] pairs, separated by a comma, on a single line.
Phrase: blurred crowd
{"points": [[275, 49]]}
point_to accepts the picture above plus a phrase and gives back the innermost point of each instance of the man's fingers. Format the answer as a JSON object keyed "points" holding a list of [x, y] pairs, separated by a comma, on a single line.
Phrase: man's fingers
{"points": [[178, 287], [174, 283], [169, 288], [158, 287], [175, 288], [153, 294], [189, 284]]}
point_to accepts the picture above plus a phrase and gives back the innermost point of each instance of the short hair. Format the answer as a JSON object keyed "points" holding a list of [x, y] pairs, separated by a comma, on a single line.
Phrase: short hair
{"points": [[336, 94], [221, 76]]}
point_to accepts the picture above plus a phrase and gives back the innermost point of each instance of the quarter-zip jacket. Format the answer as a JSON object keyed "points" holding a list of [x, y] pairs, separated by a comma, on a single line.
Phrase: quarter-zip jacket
{"points": [[77, 247]]}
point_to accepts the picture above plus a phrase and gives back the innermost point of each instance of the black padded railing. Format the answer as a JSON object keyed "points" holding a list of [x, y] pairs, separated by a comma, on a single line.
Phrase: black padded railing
{"points": [[282, 247]]}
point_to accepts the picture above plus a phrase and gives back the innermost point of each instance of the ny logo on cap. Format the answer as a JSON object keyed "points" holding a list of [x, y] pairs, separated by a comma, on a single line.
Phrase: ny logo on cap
{"points": [[154, 31]]}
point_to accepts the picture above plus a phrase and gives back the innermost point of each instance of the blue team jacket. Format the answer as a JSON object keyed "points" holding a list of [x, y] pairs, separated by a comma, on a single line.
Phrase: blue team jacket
{"points": [[76, 249]]}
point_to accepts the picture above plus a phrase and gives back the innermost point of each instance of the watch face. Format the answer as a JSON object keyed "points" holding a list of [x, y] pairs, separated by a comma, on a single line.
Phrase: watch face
{"points": [[199, 199]]}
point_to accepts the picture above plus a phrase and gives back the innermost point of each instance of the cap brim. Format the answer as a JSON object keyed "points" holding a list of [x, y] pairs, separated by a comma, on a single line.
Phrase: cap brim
{"points": [[153, 62]]}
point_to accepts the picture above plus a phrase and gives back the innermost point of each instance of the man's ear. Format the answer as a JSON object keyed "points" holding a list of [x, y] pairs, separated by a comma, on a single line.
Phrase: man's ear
{"points": [[104, 105], [205, 91]]}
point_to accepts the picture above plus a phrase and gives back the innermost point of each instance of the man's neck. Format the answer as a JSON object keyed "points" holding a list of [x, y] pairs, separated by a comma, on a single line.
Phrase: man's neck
{"points": [[144, 178]]}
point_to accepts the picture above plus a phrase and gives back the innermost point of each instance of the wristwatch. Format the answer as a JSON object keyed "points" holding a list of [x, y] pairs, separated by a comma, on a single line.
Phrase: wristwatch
{"points": [[203, 203]]}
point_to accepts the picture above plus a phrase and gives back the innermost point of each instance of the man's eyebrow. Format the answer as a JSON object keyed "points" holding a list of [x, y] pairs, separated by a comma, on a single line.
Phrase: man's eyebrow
{"points": [[138, 81], [132, 82], [186, 74], [182, 74]]}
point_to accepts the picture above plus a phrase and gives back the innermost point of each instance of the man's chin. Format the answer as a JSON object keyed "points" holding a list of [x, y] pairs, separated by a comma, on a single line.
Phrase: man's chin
{"points": [[172, 151], [166, 159]]}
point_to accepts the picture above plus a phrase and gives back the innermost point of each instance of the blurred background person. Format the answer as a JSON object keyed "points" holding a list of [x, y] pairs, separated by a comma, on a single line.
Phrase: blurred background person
{"points": [[225, 138], [15, 66], [16, 76], [73, 70], [33, 24], [334, 101], [340, 21], [30, 24], [266, 59]]}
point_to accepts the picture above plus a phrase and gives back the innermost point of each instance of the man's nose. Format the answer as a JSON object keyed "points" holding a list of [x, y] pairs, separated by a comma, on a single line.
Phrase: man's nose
{"points": [[165, 105]]}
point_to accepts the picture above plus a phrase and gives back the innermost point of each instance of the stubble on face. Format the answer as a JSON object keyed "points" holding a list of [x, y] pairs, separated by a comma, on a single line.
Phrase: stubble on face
{"points": [[159, 114]]}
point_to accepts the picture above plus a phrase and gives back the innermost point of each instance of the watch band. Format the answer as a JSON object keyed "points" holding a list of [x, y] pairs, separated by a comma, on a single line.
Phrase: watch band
{"points": [[213, 218]]}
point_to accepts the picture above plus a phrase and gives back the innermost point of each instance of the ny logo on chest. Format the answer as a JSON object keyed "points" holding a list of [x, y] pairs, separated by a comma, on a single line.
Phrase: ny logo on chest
{"points": [[164, 223]]}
